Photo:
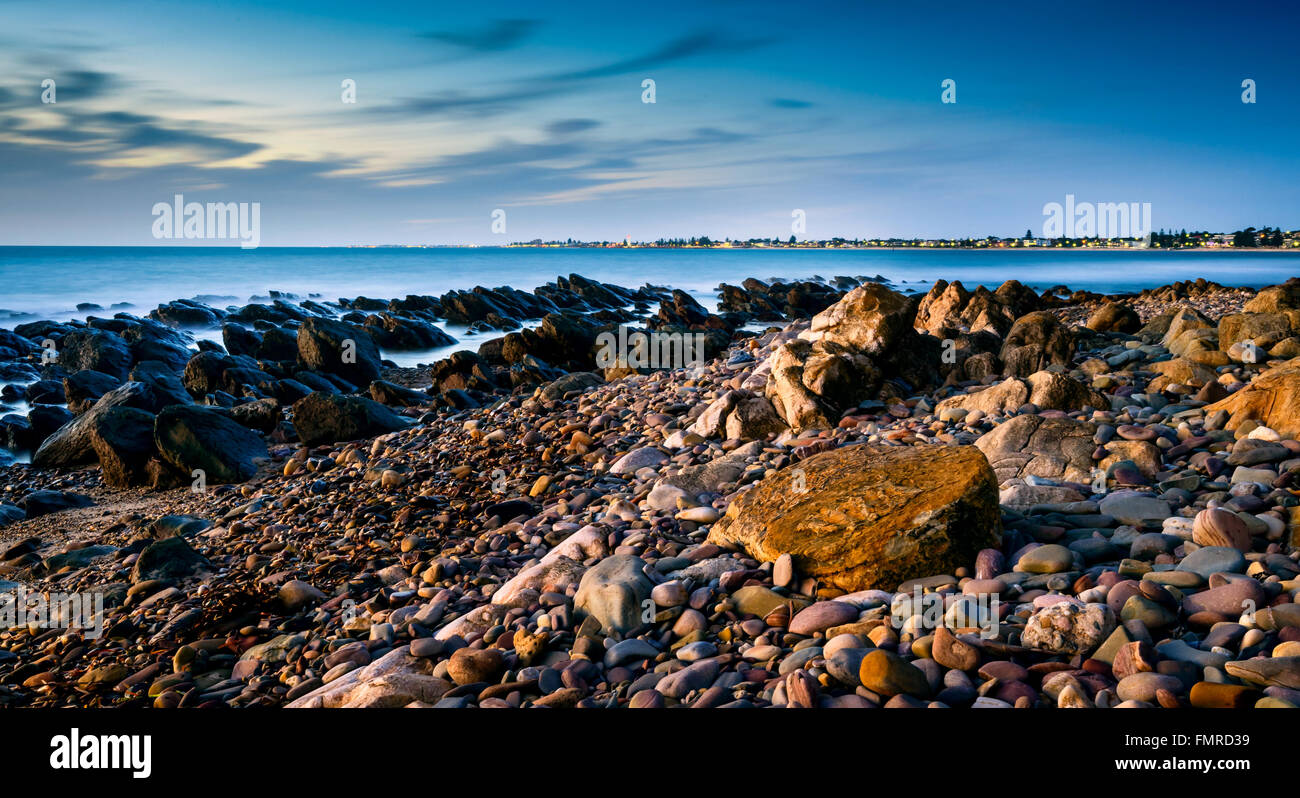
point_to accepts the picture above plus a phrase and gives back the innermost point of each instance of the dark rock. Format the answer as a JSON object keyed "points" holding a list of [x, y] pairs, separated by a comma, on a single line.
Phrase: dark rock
{"points": [[328, 418], [186, 313], [10, 513], [44, 392], [122, 438], [261, 414], [71, 444], [163, 380], [43, 502], [95, 350], [338, 348], [389, 393], [398, 332], [84, 388], [190, 437], [170, 558]]}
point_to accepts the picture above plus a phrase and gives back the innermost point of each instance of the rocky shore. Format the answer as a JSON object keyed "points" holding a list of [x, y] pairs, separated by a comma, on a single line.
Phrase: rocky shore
{"points": [[961, 498]]}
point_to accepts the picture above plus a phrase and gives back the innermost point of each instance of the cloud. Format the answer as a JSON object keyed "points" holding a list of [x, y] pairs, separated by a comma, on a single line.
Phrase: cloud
{"points": [[785, 102], [501, 34], [699, 137], [566, 127], [695, 44], [100, 134], [71, 86], [455, 102], [548, 86], [83, 85], [147, 135]]}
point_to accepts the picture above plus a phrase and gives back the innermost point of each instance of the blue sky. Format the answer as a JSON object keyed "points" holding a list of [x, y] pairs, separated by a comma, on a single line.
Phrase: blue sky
{"points": [[761, 108]]}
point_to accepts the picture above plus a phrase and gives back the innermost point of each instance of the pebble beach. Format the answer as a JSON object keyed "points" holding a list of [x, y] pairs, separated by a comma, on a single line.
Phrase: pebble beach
{"points": [[859, 497]]}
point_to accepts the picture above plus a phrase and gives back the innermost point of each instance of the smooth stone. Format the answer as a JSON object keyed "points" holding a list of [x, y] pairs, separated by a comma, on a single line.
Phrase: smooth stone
{"points": [[698, 650], [845, 665], [1208, 695], [888, 674], [1279, 671], [821, 616], [1049, 559], [1134, 509], [626, 651], [1143, 686], [1213, 559], [696, 676]]}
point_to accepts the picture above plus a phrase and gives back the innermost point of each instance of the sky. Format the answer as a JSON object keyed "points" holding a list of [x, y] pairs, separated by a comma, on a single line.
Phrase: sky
{"points": [[760, 110]]}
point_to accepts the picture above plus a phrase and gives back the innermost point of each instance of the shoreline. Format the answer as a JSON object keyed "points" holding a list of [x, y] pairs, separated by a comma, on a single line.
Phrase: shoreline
{"points": [[51, 284]]}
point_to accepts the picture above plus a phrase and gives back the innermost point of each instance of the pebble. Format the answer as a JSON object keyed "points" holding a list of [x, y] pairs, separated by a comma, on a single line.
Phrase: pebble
{"points": [[821, 616]]}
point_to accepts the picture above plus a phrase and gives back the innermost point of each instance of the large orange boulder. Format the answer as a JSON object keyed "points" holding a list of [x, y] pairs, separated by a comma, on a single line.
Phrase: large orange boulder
{"points": [[866, 516]]}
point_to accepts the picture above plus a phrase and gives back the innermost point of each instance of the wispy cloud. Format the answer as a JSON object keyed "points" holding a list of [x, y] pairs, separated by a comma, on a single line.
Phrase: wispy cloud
{"points": [[567, 127], [546, 87], [501, 34]]}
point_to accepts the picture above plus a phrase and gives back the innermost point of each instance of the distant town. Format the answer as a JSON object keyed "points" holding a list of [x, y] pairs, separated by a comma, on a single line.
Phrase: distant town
{"points": [[1250, 238]]}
